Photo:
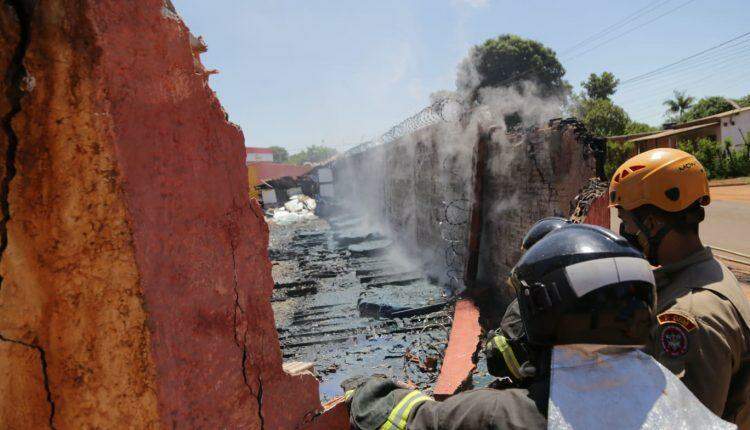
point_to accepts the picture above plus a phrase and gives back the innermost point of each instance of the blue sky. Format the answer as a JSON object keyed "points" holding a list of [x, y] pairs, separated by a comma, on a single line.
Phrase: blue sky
{"points": [[298, 73]]}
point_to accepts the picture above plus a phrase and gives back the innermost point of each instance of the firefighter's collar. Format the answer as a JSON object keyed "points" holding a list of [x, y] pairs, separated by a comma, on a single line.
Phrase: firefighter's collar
{"points": [[704, 254]]}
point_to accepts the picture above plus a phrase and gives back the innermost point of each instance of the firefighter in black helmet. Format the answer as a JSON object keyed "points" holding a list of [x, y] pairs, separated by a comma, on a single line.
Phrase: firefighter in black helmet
{"points": [[507, 353], [578, 284]]}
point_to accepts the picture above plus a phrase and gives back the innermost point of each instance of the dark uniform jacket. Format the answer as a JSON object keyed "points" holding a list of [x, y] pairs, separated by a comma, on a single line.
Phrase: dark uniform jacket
{"points": [[381, 404], [703, 333]]}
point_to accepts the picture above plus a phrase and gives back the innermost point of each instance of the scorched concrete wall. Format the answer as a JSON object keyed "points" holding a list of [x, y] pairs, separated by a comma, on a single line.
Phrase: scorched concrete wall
{"points": [[427, 181]]}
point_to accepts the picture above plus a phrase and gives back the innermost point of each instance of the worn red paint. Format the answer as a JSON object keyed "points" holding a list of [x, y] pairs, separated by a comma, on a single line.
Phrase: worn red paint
{"points": [[200, 246], [335, 418], [462, 345], [599, 212], [266, 170]]}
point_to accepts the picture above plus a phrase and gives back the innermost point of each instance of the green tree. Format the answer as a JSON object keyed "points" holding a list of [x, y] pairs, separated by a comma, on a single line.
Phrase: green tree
{"points": [[604, 118], [744, 101], [313, 154], [280, 155], [707, 106], [600, 87], [635, 127], [508, 60], [617, 153], [677, 106]]}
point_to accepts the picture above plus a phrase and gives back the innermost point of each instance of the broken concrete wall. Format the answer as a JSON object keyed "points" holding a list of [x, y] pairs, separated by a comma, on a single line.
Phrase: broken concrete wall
{"points": [[428, 179], [415, 189], [135, 279], [529, 176]]}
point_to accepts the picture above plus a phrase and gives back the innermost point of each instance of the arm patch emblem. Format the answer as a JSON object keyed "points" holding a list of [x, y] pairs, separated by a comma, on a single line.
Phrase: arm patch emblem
{"points": [[681, 319], [674, 340]]}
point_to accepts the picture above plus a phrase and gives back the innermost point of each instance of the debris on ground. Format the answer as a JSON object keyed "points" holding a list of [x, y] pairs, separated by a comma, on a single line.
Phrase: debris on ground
{"points": [[299, 208], [345, 300]]}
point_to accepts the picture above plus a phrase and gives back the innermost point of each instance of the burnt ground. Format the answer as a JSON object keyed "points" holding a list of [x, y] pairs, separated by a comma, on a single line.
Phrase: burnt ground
{"points": [[346, 300]]}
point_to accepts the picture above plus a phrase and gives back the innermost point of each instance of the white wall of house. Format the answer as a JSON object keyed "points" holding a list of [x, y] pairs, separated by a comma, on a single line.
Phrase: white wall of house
{"points": [[256, 156], [736, 127]]}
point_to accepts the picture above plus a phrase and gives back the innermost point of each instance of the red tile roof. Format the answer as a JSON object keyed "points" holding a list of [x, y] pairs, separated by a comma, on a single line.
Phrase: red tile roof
{"points": [[266, 170], [254, 150]]}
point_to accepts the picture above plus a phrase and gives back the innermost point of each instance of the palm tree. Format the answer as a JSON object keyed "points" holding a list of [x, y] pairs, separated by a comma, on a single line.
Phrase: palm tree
{"points": [[679, 104]]}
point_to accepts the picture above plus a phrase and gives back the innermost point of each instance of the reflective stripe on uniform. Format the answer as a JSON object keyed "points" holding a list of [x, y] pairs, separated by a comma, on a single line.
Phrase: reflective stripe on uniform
{"points": [[400, 414], [348, 395], [508, 355]]}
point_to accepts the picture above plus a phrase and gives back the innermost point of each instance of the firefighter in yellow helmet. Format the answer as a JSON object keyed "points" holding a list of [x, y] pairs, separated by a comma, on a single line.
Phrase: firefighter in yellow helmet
{"points": [[702, 332]]}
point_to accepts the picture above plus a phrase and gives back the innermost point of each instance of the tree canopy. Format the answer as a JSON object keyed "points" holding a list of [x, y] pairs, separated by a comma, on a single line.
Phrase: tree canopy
{"points": [[507, 60], [744, 101], [313, 154], [707, 106], [280, 155], [635, 127], [600, 86], [677, 105], [604, 118]]}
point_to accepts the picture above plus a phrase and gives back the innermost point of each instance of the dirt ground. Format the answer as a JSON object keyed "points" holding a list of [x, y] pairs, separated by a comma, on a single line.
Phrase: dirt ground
{"points": [[732, 193]]}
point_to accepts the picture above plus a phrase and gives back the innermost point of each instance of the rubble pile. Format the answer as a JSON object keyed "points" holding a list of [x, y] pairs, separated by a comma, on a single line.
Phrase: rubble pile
{"points": [[298, 208], [347, 301]]}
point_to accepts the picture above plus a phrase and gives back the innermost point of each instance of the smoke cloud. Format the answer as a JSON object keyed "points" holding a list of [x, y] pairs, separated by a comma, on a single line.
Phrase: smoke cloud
{"points": [[418, 188]]}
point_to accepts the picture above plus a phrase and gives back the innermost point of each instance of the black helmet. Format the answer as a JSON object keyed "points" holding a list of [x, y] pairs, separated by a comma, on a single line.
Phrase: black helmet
{"points": [[584, 284], [541, 229]]}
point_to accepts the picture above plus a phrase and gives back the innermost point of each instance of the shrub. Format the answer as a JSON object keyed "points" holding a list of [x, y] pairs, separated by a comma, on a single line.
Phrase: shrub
{"points": [[617, 153], [719, 159]]}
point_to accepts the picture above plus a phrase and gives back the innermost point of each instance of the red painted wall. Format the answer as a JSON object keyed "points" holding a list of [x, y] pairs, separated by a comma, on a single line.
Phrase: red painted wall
{"points": [[200, 246], [599, 212]]}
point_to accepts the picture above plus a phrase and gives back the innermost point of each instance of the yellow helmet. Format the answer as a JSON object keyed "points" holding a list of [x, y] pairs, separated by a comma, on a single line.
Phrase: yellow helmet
{"points": [[667, 178]]}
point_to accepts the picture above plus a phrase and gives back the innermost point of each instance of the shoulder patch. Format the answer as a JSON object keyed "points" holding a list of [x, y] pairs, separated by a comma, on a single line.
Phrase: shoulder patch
{"points": [[674, 340], [682, 319]]}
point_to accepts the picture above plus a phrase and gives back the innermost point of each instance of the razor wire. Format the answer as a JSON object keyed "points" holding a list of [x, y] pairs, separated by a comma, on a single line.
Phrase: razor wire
{"points": [[443, 110]]}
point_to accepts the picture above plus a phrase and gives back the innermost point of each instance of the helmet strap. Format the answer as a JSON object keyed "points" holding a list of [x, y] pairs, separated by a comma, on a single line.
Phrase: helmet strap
{"points": [[651, 248]]}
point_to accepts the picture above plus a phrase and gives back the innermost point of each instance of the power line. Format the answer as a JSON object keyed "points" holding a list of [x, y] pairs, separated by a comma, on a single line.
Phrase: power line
{"points": [[625, 20], [706, 81], [676, 77], [659, 69], [697, 84], [707, 60], [631, 30], [634, 16]]}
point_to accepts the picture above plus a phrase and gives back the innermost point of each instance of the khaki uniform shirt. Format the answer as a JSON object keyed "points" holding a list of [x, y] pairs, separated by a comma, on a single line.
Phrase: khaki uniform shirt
{"points": [[703, 333]]}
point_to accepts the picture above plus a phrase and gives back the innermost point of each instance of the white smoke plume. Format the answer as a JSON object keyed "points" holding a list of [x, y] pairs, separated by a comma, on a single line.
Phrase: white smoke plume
{"points": [[395, 167]]}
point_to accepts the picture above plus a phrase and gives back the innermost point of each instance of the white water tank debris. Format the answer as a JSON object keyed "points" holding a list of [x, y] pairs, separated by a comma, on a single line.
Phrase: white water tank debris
{"points": [[299, 208]]}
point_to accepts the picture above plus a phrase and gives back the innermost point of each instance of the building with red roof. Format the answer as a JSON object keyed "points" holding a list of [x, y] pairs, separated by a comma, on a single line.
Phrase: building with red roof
{"points": [[258, 154], [260, 172], [265, 171]]}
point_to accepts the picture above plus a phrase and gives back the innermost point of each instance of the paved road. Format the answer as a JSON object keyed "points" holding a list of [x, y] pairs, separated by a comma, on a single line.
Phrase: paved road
{"points": [[735, 193], [727, 223]]}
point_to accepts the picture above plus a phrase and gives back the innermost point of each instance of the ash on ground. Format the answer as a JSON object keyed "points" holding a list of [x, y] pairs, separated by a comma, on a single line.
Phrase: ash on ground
{"points": [[345, 300]]}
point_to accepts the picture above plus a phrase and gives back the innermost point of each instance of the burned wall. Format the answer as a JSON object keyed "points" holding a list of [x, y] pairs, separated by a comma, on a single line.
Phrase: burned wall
{"points": [[429, 178], [529, 176], [135, 279], [415, 191]]}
